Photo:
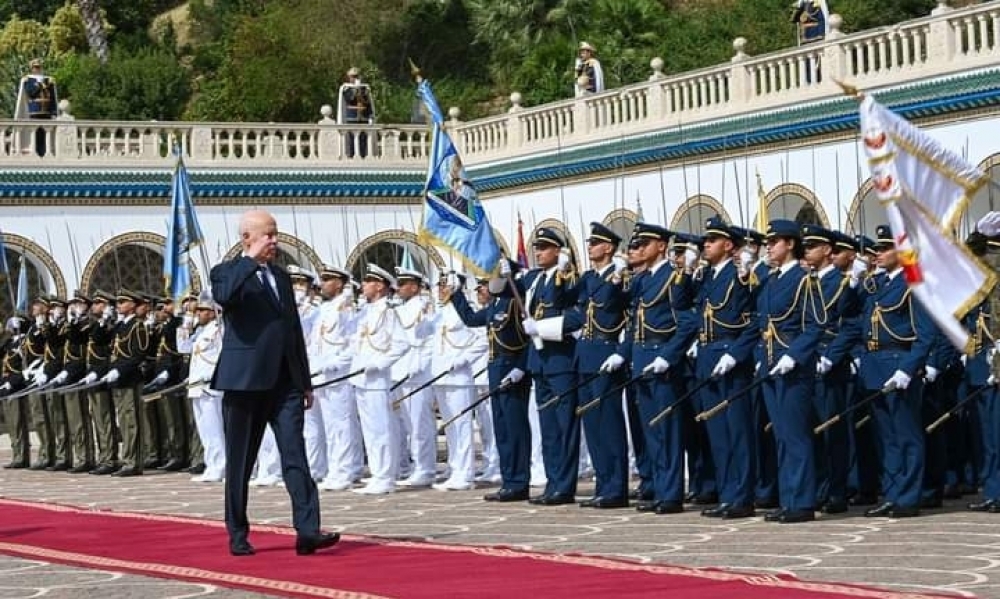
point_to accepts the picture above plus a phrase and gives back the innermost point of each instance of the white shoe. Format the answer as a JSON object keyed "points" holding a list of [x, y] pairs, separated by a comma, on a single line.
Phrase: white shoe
{"points": [[265, 481], [489, 477], [418, 481], [452, 485], [374, 490], [205, 477], [334, 485]]}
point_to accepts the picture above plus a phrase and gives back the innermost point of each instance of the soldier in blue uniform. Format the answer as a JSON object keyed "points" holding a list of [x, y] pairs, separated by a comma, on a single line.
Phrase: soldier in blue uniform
{"points": [[356, 108], [790, 319], [724, 354], [549, 291], [833, 368], [38, 99], [898, 337], [506, 368], [656, 341], [810, 18], [600, 316], [637, 270]]}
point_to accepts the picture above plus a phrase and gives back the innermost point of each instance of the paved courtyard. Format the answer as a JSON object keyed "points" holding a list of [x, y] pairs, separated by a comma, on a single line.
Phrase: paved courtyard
{"points": [[948, 550]]}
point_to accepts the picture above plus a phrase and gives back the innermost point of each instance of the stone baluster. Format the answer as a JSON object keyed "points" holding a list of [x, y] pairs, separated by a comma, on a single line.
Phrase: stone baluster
{"points": [[833, 65], [655, 100], [942, 39], [740, 85], [515, 135], [329, 136]]}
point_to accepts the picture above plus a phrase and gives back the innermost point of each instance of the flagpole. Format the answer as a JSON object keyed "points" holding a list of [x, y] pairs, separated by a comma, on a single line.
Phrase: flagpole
{"points": [[6, 270]]}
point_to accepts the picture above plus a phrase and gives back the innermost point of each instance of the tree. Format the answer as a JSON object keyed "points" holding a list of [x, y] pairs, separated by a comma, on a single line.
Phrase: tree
{"points": [[94, 24], [66, 31]]}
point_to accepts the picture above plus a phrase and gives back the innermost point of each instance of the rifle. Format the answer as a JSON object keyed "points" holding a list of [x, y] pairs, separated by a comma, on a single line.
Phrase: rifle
{"points": [[722, 405], [593, 403], [558, 396], [473, 405]]}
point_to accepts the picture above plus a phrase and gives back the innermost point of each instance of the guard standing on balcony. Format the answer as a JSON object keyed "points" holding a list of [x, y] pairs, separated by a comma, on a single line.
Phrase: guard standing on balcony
{"points": [[355, 108], [589, 76], [38, 99]]}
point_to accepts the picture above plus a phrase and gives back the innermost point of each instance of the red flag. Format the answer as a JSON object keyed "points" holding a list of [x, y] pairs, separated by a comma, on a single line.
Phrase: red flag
{"points": [[522, 252]]}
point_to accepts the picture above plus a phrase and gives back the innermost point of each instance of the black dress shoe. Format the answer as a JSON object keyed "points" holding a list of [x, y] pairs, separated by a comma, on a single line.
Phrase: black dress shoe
{"points": [[309, 545], [637, 495], [240, 548], [738, 511], [607, 503], [554, 499], [796, 516], [507, 495], [716, 512], [645, 506], [863, 499], [882, 511], [834, 506], [173, 465], [904, 512], [588, 502], [197, 469], [983, 506], [774, 515], [931, 502], [104, 469], [705, 499], [967, 489], [669, 507], [15, 465], [59, 467], [39, 466], [536, 500], [127, 472], [81, 468], [152, 464], [951, 492], [765, 503]]}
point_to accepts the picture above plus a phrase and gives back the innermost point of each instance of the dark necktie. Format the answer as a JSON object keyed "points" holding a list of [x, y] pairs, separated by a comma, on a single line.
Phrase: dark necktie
{"points": [[262, 272]]}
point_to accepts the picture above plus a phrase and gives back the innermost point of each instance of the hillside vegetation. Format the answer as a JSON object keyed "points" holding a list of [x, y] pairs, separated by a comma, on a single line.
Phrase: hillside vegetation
{"points": [[280, 60]]}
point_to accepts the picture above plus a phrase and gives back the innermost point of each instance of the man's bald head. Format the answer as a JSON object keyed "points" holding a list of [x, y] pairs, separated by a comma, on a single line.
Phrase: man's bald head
{"points": [[259, 235]]}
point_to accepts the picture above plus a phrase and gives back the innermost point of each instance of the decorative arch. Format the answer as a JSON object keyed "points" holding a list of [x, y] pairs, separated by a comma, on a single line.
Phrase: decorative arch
{"points": [[39, 263], [558, 225], [986, 199], [695, 211], [622, 222], [136, 260], [384, 248], [874, 214], [291, 250], [504, 248], [795, 202]]}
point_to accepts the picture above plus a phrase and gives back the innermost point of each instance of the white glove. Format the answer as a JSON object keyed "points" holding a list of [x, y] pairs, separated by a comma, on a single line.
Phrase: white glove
{"points": [[514, 376], [931, 374], [692, 351], [785, 365], [41, 378], [372, 368], [992, 380], [619, 263], [5, 386], [453, 284], [458, 364], [756, 368], [991, 353], [111, 377], [690, 258], [161, 378], [855, 365], [108, 312], [724, 365], [657, 366], [989, 225], [151, 320], [613, 363], [898, 381], [530, 327], [40, 320], [504, 268], [90, 378], [188, 321], [823, 365], [747, 258], [564, 262], [60, 378]]}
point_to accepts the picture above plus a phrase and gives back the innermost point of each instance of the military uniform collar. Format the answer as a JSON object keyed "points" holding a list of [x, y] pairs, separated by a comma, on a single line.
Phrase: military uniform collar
{"points": [[787, 266], [718, 267], [822, 272], [652, 269], [893, 273]]}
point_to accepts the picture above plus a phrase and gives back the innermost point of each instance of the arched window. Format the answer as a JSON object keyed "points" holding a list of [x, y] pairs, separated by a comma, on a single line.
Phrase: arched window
{"points": [[695, 212], [393, 248], [560, 228], [622, 222], [792, 201], [865, 214], [41, 275], [986, 199], [130, 260]]}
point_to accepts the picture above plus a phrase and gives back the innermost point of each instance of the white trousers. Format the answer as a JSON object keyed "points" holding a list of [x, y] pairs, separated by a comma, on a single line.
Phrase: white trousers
{"points": [[314, 432], [487, 438], [345, 458], [380, 429], [538, 477], [419, 411], [458, 435], [207, 410]]}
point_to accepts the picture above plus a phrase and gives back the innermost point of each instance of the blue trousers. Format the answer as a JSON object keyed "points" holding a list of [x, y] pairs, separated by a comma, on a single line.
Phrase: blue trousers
{"points": [[560, 432], [606, 438], [832, 445], [789, 406], [664, 440], [513, 434]]}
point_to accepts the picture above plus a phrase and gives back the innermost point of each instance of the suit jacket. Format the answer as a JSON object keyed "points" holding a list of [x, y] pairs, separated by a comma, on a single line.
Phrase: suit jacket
{"points": [[260, 334]]}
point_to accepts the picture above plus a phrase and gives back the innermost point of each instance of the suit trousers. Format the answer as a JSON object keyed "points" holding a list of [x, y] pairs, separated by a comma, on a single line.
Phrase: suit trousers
{"points": [[128, 405], [42, 425], [80, 428]]}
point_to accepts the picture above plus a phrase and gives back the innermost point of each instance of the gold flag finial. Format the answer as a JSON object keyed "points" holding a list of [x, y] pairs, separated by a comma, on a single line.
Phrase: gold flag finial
{"points": [[415, 70], [849, 90]]}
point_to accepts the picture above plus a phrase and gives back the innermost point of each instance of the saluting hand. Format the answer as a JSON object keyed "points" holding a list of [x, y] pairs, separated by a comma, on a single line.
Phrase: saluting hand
{"points": [[262, 248]]}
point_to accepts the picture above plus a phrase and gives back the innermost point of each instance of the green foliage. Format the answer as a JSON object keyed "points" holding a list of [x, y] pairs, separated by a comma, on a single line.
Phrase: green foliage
{"points": [[67, 31], [24, 36], [145, 85], [40, 10]]}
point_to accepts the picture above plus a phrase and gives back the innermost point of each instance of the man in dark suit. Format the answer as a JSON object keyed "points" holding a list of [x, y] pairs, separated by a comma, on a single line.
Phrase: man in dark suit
{"points": [[264, 373]]}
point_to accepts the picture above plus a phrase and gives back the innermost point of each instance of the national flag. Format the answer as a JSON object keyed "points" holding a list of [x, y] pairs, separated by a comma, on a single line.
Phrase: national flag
{"points": [[21, 304], [453, 215], [925, 189], [522, 250], [183, 233], [4, 269]]}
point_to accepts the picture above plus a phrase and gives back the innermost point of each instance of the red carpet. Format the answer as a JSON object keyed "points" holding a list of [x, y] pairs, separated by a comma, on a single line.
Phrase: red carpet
{"points": [[361, 567]]}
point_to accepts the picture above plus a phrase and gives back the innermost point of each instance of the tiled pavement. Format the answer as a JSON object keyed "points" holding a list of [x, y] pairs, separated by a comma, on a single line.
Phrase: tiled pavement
{"points": [[946, 550]]}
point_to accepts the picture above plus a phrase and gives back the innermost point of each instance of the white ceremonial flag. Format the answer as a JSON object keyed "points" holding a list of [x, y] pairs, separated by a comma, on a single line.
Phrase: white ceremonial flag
{"points": [[925, 189]]}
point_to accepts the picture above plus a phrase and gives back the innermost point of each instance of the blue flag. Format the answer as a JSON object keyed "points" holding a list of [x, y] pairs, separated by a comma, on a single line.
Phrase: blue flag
{"points": [[21, 305], [183, 233], [453, 216], [4, 270]]}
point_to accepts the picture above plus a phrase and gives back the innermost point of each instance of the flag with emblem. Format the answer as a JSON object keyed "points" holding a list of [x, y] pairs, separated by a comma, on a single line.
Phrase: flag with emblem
{"points": [[453, 215], [522, 250], [183, 234], [925, 189]]}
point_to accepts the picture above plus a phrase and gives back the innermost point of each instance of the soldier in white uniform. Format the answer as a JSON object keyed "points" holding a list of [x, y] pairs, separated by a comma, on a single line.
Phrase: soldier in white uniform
{"points": [[416, 318], [456, 349], [313, 430], [201, 336], [378, 342], [331, 338]]}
